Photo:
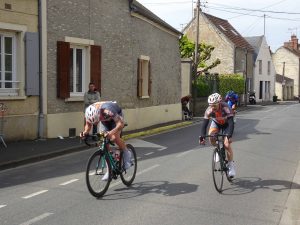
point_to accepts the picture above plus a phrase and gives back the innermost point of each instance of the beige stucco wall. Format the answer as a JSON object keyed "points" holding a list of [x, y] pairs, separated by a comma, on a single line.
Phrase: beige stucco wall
{"points": [[186, 78], [59, 124], [265, 56], [291, 66], [22, 110], [23, 12]]}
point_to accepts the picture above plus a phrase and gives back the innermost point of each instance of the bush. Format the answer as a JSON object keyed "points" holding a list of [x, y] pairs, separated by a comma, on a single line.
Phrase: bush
{"points": [[207, 84], [234, 82]]}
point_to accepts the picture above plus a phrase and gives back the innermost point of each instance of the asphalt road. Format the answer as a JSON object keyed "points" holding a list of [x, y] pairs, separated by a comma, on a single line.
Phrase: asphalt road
{"points": [[174, 183]]}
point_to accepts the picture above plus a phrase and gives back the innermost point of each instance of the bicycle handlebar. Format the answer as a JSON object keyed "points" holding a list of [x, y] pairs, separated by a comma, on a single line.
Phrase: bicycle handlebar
{"points": [[95, 139], [216, 135]]}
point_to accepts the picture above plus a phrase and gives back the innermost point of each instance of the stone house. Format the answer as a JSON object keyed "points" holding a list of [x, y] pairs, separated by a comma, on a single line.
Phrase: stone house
{"points": [[19, 69], [130, 53], [284, 87], [264, 74], [287, 64], [235, 53]]}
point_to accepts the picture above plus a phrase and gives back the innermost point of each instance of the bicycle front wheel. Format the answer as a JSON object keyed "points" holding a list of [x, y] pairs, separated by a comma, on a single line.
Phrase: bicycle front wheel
{"points": [[217, 171], [128, 175], [98, 175]]}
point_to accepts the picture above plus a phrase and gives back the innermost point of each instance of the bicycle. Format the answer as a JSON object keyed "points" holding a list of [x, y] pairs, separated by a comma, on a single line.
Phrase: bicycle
{"points": [[219, 162], [103, 162]]}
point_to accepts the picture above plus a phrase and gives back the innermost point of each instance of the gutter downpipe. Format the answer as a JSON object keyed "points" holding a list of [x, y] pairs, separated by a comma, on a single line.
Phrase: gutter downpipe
{"points": [[41, 103], [246, 75]]}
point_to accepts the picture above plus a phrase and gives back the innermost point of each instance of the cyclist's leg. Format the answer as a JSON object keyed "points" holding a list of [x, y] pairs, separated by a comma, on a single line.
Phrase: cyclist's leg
{"points": [[213, 129], [122, 145], [229, 150], [227, 145]]}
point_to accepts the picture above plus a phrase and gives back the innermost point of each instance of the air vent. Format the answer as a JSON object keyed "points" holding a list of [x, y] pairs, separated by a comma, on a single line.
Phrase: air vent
{"points": [[7, 6]]}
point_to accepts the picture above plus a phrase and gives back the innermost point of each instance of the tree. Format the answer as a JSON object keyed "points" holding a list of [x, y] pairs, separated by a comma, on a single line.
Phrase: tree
{"points": [[187, 50]]}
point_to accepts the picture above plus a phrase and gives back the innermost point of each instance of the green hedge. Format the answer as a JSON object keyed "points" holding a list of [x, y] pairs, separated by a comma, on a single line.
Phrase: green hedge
{"points": [[233, 82], [206, 84]]}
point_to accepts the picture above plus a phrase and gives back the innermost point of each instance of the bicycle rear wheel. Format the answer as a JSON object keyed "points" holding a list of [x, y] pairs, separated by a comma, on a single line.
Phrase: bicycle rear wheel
{"points": [[127, 176], [98, 175], [217, 171]]}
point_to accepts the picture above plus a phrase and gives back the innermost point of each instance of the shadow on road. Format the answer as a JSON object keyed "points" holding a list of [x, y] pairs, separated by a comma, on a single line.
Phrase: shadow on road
{"points": [[245, 185], [164, 188]]}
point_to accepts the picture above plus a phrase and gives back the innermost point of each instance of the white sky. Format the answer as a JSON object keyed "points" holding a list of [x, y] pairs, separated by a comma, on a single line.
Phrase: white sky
{"points": [[282, 16]]}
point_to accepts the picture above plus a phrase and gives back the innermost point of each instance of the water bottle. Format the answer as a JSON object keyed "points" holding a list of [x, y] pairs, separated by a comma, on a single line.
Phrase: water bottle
{"points": [[117, 154]]}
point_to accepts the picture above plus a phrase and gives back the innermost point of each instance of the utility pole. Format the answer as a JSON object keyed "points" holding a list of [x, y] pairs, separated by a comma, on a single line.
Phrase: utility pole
{"points": [[283, 81], [245, 74], [264, 24], [196, 58]]}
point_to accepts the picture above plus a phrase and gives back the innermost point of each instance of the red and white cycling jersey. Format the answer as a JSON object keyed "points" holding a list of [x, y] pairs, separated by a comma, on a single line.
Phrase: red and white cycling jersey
{"points": [[220, 116]]}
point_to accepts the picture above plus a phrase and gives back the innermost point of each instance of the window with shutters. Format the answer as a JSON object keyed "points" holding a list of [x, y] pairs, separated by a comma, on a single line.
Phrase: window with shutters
{"points": [[144, 77], [78, 63], [8, 82]]}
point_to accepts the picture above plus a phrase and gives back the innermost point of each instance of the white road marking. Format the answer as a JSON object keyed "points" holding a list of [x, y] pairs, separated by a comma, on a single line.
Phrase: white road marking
{"points": [[137, 174], [161, 149], [138, 157], [36, 219], [2, 206], [69, 182], [34, 194], [148, 169], [184, 153], [144, 144], [149, 153]]}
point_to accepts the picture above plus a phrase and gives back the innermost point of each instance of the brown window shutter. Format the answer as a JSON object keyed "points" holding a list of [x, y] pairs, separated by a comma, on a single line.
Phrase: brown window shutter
{"points": [[96, 66], [149, 79], [139, 79], [63, 69]]}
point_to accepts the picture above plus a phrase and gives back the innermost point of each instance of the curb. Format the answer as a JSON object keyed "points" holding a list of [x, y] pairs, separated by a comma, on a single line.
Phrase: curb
{"points": [[156, 130]]}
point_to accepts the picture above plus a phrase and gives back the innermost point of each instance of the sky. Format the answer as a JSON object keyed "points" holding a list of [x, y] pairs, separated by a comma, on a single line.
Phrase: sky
{"points": [[277, 19]]}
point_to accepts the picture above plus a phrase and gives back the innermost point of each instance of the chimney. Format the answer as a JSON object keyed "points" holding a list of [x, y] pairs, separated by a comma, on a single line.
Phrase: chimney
{"points": [[294, 42]]}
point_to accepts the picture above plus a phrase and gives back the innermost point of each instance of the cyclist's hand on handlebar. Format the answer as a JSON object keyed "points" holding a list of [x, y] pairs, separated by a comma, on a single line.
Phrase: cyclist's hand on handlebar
{"points": [[201, 140], [83, 135]]}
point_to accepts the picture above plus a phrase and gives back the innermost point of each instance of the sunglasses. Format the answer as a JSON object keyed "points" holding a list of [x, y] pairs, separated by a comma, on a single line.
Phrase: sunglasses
{"points": [[215, 105]]}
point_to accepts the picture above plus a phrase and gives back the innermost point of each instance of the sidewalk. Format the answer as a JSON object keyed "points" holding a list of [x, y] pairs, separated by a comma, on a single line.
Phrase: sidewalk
{"points": [[24, 152]]}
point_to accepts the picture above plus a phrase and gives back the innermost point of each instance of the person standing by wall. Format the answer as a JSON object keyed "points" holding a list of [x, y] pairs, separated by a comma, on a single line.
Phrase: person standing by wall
{"points": [[90, 97]]}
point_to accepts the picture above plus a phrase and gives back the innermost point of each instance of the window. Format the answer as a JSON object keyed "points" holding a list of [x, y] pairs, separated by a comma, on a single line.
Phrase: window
{"points": [[7, 65], [144, 77], [76, 66], [259, 66], [269, 67], [77, 70]]}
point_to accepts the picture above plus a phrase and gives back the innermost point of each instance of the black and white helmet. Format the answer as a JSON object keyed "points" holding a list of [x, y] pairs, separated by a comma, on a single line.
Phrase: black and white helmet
{"points": [[214, 98], [92, 114]]}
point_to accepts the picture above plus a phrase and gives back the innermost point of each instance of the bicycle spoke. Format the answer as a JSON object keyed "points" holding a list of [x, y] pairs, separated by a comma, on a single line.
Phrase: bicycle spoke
{"points": [[217, 171], [98, 169], [128, 175]]}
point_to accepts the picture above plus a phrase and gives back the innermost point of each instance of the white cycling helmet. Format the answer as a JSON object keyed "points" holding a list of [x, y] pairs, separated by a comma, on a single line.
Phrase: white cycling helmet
{"points": [[214, 98], [92, 114]]}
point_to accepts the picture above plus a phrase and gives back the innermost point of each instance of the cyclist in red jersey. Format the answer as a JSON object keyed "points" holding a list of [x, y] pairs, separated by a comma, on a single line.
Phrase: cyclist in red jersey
{"points": [[222, 118]]}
